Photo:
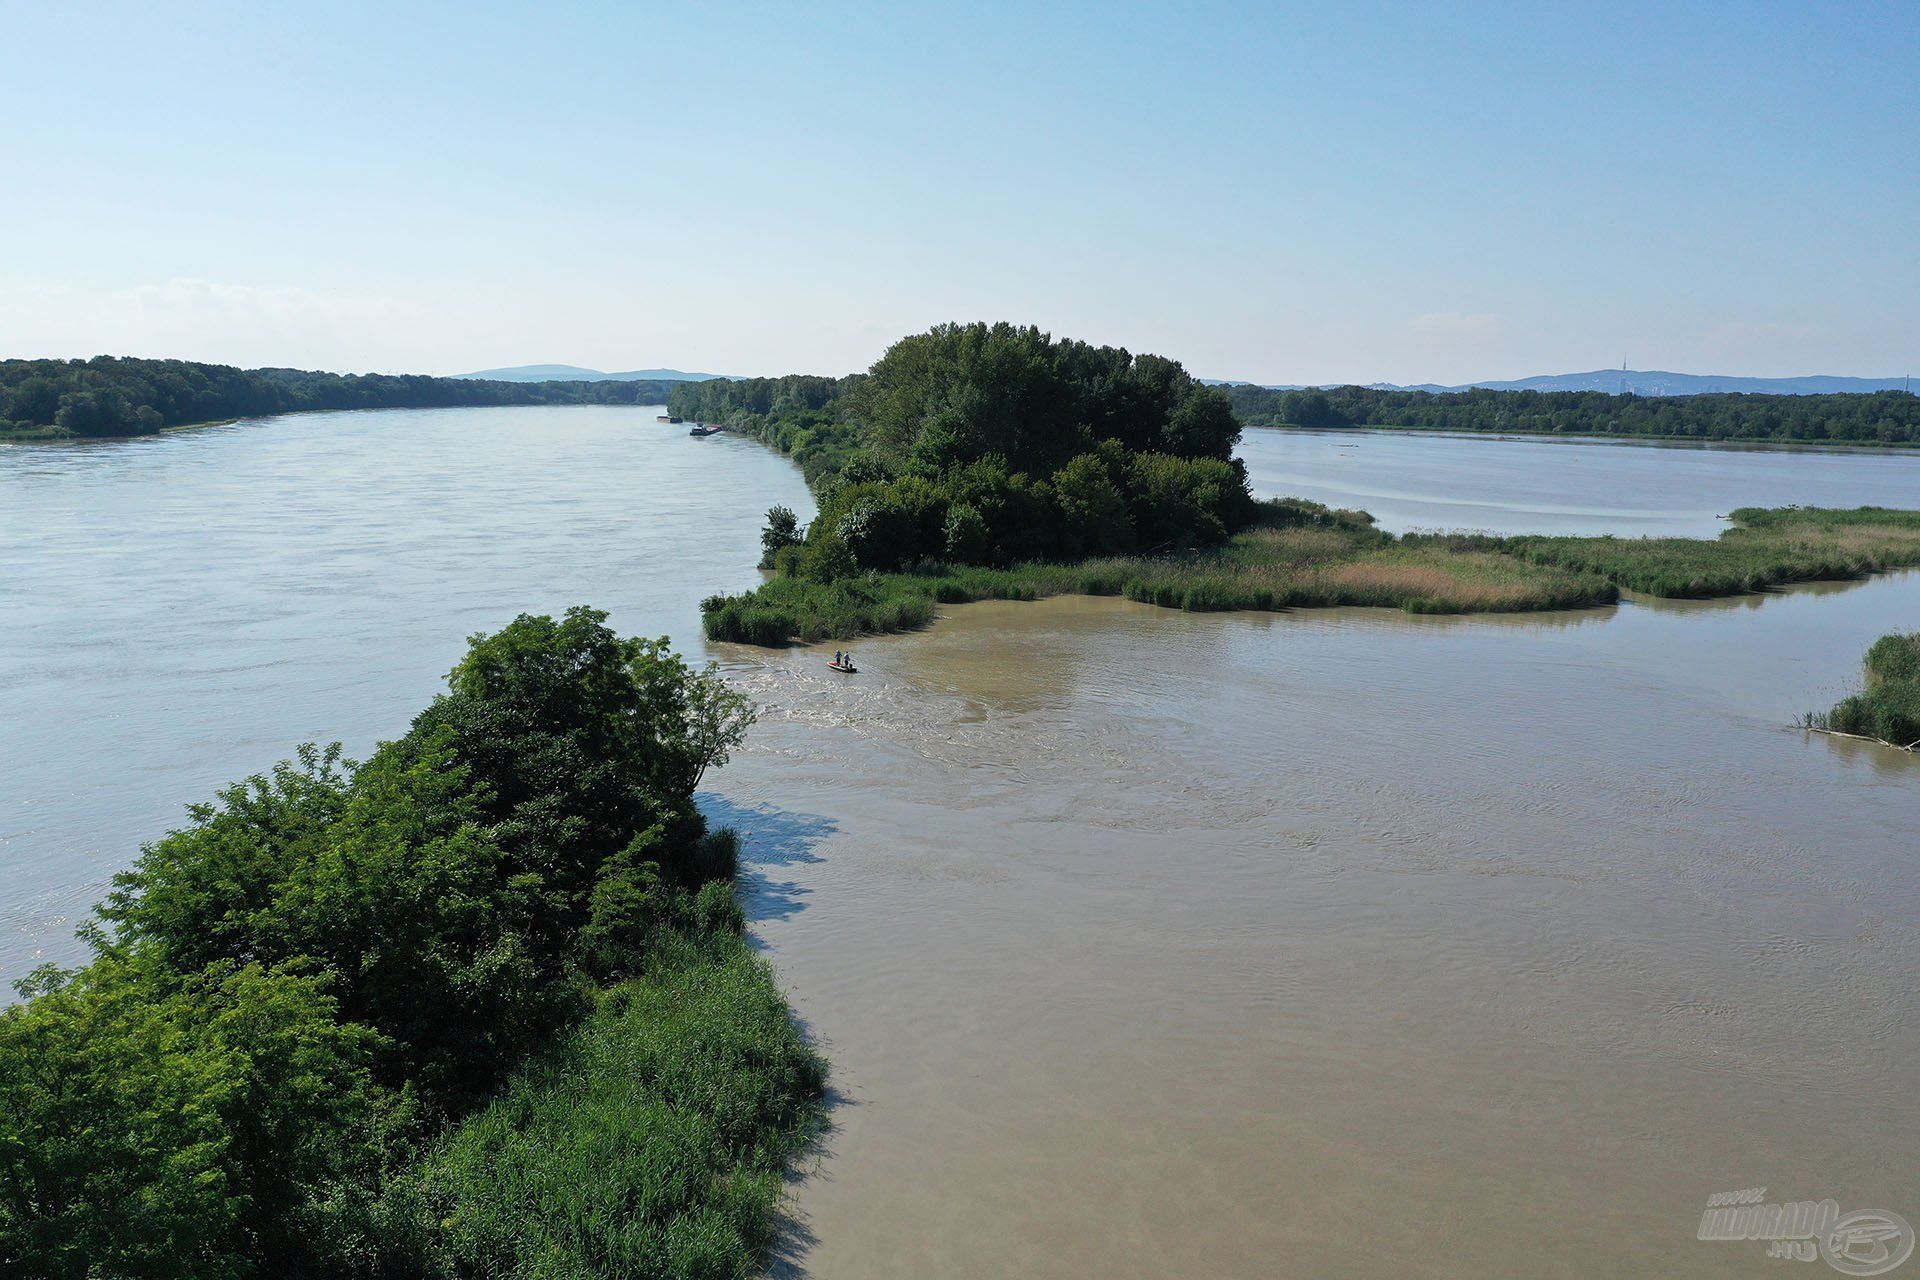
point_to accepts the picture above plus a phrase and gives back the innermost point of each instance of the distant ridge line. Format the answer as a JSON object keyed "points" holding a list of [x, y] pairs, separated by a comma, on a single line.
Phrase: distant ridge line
{"points": [[575, 373], [1644, 382]]}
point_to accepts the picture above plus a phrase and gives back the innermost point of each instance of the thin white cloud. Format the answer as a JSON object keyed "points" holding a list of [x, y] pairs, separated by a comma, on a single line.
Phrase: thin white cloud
{"points": [[1455, 324], [208, 320]]}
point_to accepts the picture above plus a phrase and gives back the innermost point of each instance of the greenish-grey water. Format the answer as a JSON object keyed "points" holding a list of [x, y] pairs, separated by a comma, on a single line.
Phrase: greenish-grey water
{"points": [[1419, 480], [1142, 943], [179, 611]]}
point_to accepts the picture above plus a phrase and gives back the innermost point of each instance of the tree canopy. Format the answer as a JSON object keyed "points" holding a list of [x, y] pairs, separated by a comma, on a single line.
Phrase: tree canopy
{"points": [[1880, 417], [113, 396], [332, 962], [988, 444]]}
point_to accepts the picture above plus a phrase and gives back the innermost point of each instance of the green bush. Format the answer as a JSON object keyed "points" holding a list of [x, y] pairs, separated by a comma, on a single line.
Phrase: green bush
{"points": [[1889, 707], [333, 964]]}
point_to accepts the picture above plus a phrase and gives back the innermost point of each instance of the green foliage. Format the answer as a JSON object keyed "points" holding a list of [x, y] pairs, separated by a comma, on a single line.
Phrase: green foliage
{"points": [[956, 393], [1889, 707], [333, 963], [953, 447], [1299, 554], [110, 396], [1894, 658], [1764, 548], [1093, 504], [194, 1124], [584, 740], [651, 1144], [1877, 418], [964, 535], [782, 531]]}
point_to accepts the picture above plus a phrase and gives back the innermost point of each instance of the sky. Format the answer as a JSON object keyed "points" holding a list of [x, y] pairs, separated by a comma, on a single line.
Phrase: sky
{"points": [[1280, 193]]}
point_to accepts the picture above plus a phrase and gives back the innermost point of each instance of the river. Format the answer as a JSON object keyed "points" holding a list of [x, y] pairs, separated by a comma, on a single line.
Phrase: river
{"points": [[1519, 484], [1142, 943]]}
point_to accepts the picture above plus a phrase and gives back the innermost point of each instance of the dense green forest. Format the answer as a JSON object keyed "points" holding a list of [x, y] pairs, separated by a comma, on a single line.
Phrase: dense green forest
{"points": [[112, 396], [987, 444], [477, 1006], [1882, 417]]}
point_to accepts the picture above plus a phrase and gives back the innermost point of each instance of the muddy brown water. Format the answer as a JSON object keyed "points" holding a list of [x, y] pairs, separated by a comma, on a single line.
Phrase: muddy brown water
{"points": [[1338, 943], [1142, 943]]}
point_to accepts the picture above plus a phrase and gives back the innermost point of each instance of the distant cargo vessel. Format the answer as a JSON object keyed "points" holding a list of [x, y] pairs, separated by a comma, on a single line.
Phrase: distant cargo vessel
{"points": [[664, 418], [703, 429]]}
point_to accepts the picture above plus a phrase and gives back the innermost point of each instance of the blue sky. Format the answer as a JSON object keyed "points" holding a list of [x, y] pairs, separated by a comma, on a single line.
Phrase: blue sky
{"points": [[1282, 193]]}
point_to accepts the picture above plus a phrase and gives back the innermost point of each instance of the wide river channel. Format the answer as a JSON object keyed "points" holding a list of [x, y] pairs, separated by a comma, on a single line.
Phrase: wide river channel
{"points": [[1143, 944]]}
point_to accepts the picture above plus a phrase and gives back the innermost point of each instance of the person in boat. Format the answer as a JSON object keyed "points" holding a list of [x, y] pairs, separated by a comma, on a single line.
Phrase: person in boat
{"points": [[838, 660]]}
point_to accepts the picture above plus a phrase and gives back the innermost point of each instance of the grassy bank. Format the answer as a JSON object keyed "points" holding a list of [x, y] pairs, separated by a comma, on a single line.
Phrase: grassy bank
{"points": [[653, 1142], [1329, 559], [1766, 547], [1888, 709], [1302, 556]]}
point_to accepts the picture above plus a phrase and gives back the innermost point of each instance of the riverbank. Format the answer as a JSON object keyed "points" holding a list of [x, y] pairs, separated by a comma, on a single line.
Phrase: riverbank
{"points": [[1304, 556], [111, 397]]}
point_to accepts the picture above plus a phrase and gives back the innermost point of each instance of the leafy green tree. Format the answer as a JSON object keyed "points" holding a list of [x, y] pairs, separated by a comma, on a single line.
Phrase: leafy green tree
{"points": [[204, 1126], [1093, 510], [783, 530], [966, 536], [35, 400], [333, 961], [1202, 425]]}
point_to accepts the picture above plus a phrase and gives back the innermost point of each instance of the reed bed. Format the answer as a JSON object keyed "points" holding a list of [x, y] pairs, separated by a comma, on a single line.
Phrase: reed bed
{"points": [[651, 1142], [1331, 559], [1766, 547], [1263, 569], [1888, 708]]}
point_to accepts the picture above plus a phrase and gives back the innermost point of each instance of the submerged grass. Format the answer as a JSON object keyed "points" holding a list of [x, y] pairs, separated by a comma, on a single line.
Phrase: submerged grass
{"points": [[652, 1142], [1888, 709]]}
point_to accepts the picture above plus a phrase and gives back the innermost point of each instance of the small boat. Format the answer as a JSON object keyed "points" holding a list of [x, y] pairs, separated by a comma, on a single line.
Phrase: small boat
{"points": [[847, 667], [704, 430]]}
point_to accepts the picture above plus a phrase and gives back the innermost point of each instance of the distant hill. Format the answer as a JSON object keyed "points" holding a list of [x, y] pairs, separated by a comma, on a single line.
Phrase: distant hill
{"points": [[574, 373], [1642, 382]]}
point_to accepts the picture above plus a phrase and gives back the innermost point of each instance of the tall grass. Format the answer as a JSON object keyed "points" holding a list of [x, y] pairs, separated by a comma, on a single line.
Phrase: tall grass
{"points": [[651, 1143], [1766, 547], [1888, 708], [1304, 556], [1299, 566]]}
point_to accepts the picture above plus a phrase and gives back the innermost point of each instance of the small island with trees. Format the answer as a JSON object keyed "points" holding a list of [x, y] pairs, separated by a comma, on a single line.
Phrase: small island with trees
{"points": [[996, 462]]}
